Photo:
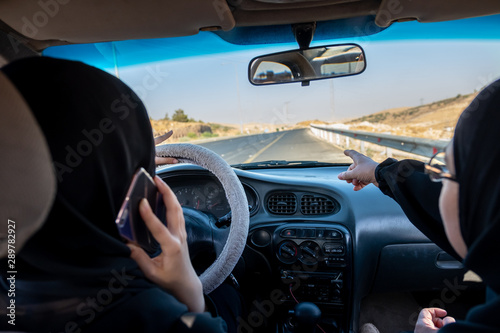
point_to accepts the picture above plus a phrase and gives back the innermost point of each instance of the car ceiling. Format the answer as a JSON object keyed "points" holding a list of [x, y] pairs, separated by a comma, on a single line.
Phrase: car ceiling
{"points": [[44, 23]]}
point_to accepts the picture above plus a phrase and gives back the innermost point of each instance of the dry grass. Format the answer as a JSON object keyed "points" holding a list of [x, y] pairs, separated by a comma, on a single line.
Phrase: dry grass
{"points": [[189, 131], [434, 120]]}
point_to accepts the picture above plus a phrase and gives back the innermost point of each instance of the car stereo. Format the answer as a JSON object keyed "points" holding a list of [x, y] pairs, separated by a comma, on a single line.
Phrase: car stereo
{"points": [[312, 262]]}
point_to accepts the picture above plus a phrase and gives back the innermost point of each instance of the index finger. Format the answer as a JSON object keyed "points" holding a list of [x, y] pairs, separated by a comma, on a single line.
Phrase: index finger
{"points": [[437, 312], [161, 138], [165, 160], [353, 154], [432, 313]]}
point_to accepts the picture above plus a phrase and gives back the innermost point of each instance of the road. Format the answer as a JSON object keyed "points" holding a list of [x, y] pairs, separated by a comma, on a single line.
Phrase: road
{"points": [[291, 145]]}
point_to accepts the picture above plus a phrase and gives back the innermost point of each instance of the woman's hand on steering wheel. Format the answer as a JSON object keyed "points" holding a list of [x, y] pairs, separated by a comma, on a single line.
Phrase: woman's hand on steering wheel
{"points": [[164, 160], [172, 269]]}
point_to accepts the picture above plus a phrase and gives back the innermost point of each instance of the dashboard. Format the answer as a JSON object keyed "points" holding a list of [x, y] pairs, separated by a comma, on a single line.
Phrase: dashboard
{"points": [[312, 238]]}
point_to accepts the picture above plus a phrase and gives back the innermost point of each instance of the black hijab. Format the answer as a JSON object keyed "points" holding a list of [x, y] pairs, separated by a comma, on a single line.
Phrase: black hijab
{"points": [[477, 163], [477, 160], [75, 268]]}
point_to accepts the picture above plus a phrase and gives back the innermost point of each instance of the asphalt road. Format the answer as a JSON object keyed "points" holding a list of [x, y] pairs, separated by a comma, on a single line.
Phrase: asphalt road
{"points": [[292, 145]]}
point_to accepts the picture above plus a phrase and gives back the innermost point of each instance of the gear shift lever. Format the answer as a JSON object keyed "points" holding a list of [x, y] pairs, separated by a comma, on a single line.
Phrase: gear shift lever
{"points": [[307, 316]]}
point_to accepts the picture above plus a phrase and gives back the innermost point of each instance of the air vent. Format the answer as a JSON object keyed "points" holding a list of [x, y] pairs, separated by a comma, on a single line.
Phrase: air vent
{"points": [[282, 203], [316, 205]]}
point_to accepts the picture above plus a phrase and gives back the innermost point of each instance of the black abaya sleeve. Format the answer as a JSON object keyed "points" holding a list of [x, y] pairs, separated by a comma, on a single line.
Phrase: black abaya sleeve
{"points": [[406, 182]]}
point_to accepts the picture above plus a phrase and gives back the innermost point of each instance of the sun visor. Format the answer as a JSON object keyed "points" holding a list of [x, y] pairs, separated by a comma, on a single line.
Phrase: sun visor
{"points": [[433, 11], [111, 20], [28, 181]]}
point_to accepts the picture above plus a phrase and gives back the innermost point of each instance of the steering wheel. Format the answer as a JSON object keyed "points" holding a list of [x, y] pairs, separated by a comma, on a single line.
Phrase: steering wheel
{"points": [[228, 256]]}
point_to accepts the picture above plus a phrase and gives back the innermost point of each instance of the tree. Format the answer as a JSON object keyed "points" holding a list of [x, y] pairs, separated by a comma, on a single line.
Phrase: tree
{"points": [[167, 117], [180, 116]]}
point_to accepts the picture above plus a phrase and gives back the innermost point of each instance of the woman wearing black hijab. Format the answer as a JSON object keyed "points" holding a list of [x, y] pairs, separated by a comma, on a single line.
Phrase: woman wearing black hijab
{"points": [[75, 274], [468, 203]]}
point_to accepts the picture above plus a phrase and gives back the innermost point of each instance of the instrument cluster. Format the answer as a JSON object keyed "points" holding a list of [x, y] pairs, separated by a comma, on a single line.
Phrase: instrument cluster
{"points": [[206, 194]]}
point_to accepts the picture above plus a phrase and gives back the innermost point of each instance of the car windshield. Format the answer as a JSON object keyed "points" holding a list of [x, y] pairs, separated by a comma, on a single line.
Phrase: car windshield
{"points": [[418, 79]]}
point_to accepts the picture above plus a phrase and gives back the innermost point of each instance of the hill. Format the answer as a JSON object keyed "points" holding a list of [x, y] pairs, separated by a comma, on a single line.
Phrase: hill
{"points": [[435, 120], [309, 122]]}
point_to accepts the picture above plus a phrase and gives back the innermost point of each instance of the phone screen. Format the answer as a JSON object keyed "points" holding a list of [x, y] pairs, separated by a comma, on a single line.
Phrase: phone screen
{"points": [[130, 224]]}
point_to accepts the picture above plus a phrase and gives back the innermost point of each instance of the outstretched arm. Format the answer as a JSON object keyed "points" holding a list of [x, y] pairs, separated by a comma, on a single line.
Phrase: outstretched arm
{"points": [[406, 182]]}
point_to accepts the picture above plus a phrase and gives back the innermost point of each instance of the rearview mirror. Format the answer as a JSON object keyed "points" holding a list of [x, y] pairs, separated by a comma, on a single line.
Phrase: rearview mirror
{"points": [[316, 63]]}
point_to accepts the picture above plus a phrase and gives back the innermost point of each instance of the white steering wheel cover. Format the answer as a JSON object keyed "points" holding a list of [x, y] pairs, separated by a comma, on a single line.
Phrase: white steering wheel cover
{"points": [[235, 244]]}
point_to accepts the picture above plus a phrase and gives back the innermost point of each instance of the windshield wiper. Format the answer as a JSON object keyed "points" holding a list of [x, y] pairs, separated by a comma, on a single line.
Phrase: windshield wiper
{"points": [[282, 164]]}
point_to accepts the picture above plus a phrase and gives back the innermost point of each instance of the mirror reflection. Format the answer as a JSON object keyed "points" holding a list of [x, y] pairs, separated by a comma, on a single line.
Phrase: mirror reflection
{"points": [[306, 65]]}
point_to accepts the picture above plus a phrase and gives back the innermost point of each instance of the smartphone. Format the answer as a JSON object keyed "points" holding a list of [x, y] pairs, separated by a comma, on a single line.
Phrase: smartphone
{"points": [[129, 221]]}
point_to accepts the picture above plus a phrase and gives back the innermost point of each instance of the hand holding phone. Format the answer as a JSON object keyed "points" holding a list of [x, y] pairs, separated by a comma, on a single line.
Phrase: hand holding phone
{"points": [[129, 221], [171, 269]]}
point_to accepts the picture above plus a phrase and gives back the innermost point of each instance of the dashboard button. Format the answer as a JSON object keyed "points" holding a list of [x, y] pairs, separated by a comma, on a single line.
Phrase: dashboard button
{"points": [[333, 234], [309, 233], [333, 248], [288, 233]]}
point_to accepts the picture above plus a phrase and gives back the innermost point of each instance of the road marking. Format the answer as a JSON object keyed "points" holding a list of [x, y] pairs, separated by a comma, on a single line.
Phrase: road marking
{"points": [[251, 159]]}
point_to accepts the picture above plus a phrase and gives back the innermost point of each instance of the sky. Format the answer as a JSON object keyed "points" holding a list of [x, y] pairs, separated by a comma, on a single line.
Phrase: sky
{"points": [[407, 64]]}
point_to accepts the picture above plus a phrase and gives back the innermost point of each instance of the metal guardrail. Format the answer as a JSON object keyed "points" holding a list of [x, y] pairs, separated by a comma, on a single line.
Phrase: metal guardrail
{"points": [[418, 146]]}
